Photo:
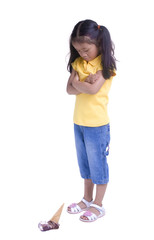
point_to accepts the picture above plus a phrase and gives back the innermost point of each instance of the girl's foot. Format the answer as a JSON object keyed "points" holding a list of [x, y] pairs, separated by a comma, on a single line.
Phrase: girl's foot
{"points": [[93, 213], [77, 208]]}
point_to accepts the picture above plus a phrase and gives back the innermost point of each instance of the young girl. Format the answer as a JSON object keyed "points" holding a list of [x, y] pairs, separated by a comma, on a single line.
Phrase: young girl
{"points": [[92, 67]]}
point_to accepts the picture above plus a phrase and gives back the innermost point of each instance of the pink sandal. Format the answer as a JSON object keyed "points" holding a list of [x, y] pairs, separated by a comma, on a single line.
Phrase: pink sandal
{"points": [[91, 217], [74, 208]]}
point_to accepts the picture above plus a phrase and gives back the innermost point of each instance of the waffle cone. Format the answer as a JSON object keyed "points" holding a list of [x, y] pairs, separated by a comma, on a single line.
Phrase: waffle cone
{"points": [[57, 215]]}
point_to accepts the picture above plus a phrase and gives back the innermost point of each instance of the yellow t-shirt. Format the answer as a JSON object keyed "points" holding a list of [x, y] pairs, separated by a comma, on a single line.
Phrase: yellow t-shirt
{"points": [[91, 109]]}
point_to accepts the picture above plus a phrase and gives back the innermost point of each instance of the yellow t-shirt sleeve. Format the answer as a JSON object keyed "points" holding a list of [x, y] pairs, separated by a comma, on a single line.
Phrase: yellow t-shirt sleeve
{"points": [[113, 73], [99, 67], [74, 65]]}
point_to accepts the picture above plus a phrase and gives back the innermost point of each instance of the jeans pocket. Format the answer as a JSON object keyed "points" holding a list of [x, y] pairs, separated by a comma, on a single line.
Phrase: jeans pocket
{"points": [[106, 152]]}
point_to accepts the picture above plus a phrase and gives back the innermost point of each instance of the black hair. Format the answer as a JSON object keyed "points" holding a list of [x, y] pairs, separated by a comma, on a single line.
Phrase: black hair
{"points": [[90, 32]]}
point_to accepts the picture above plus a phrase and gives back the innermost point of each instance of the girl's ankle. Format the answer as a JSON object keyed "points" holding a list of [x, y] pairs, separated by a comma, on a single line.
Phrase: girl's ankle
{"points": [[98, 203], [88, 199]]}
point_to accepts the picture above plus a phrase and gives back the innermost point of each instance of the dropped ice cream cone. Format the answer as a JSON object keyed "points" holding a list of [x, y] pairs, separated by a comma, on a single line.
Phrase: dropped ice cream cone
{"points": [[53, 223], [57, 215]]}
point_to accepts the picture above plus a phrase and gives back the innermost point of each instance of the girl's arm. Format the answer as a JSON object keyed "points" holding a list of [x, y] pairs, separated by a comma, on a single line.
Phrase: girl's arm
{"points": [[70, 88], [88, 87]]}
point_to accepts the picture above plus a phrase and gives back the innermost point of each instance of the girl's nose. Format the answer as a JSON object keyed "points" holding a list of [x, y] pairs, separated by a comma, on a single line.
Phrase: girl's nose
{"points": [[83, 55]]}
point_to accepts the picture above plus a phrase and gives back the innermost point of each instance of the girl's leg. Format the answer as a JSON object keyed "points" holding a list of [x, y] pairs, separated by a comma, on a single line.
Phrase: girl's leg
{"points": [[100, 192], [88, 193], [83, 164], [88, 190], [97, 140]]}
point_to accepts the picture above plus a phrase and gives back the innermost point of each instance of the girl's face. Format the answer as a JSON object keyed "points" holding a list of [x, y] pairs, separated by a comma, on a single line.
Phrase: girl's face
{"points": [[88, 51]]}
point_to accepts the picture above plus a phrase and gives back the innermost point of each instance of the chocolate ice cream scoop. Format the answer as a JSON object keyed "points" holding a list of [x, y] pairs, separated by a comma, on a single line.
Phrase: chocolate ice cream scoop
{"points": [[52, 223], [45, 226]]}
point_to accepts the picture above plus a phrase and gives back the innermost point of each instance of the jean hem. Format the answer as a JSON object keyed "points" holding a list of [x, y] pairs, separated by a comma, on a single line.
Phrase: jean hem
{"points": [[100, 182], [97, 182]]}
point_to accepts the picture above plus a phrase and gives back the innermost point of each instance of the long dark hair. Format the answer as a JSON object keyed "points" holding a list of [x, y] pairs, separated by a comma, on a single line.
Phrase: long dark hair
{"points": [[90, 32]]}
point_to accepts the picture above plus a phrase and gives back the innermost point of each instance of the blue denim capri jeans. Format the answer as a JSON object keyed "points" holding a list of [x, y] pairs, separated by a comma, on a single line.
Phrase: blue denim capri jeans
{"points": [[92, 146]]}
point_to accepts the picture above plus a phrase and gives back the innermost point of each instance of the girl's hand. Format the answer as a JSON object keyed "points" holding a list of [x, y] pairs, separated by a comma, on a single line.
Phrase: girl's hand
{"points": [[91, 78]]}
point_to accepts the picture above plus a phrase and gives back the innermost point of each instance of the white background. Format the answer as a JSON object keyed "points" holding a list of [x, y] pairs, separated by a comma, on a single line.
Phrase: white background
{"points": [[38, 166]]}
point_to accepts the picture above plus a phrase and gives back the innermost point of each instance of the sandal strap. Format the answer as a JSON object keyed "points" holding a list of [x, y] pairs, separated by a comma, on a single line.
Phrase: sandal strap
{"points": [[75, 208], [100, 209], [88, 204], [91, 216]]}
